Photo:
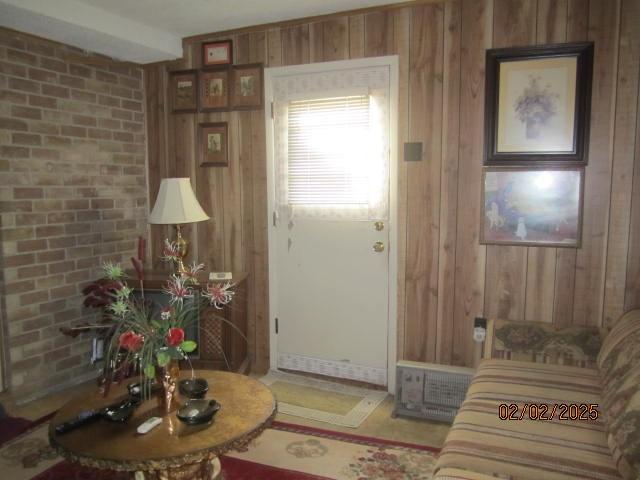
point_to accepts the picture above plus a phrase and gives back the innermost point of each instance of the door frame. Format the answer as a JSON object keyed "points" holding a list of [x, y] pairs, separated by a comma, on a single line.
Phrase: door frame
{"points": [[390, 61]]}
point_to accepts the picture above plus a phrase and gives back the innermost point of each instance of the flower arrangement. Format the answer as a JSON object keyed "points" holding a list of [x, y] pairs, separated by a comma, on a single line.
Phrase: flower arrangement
{"points": [[144, 334], [535, 106]]}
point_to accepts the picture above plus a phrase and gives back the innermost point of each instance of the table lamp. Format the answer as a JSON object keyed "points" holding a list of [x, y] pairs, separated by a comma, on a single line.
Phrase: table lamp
{"points": [[177, 204]]}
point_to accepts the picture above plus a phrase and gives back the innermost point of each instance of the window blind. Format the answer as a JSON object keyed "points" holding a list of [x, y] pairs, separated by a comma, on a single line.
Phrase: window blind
{"points": [[328, 149]]}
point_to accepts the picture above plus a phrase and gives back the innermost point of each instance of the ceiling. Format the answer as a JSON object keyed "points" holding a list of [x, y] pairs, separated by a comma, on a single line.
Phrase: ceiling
{"points": [[145, 31]]}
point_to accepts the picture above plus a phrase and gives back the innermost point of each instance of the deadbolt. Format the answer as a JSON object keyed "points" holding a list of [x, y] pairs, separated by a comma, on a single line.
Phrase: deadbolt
{"points": [[378, 247], [379, 225]]}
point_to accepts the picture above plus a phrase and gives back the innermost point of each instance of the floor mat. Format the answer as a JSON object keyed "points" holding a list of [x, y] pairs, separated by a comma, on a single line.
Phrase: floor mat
{"points": [[321, 400]]}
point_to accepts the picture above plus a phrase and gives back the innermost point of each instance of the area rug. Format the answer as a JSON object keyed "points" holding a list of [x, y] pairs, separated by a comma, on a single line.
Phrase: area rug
{"points": [[321, 400], [283, 452]]}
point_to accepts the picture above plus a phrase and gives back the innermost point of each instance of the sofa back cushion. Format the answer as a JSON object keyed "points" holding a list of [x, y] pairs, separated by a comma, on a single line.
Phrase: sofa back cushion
{"points": [[619, 363]]}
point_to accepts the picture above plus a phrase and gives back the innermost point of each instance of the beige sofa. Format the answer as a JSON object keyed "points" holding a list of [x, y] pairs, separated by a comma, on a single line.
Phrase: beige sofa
{"points": [[592, 433]]}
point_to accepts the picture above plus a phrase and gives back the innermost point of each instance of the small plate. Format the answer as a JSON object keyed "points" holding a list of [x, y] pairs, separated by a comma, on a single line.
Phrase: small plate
{"points": [[196, 412]]}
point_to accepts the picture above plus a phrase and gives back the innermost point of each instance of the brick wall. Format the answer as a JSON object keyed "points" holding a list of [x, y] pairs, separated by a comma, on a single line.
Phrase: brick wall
{"points": [[72, 195]]}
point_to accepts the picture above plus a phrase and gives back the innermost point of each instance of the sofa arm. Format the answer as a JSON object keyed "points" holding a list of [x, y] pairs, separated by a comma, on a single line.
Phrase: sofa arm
{"points": [[542, 342]]}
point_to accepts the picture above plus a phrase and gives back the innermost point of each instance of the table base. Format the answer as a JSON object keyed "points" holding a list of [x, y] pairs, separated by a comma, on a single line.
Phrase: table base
{"points": [[206, 470]]}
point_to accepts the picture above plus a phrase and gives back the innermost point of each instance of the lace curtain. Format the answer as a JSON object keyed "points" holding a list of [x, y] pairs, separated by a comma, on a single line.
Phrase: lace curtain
{"points": [[371, 145]]}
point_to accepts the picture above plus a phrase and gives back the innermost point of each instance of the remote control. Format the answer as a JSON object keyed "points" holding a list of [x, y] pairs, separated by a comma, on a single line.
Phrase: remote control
{"points": [[149, 425], [83, 418]]}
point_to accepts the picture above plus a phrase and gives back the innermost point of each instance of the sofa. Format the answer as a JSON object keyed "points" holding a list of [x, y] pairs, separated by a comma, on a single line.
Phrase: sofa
{"points": [[518, 420]]}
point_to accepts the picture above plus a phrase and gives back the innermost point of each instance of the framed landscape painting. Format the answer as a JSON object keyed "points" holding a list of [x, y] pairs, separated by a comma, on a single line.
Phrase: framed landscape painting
{"points": [[537, 104], [183, 92], [539, 207], [213, 144]]}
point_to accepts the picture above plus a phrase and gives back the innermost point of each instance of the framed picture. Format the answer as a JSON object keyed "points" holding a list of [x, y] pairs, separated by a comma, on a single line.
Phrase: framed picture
{"points": [[246, 89], [537, 206], [537, 104], [213, 90], [213, 144], [217, 53], [183, 91]]}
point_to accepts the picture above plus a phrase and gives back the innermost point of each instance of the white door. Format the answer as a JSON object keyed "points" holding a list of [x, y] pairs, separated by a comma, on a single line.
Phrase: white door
{"points": [[330, 224]]}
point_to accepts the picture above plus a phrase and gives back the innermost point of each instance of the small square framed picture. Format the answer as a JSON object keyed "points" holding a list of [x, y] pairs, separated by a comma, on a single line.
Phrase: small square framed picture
{"points": [[213, 90], [217, 53], [213, 144], [183, 93], [246, 87]]}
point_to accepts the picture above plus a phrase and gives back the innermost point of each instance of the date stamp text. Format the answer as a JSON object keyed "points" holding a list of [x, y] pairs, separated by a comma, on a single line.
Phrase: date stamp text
{"points": [[543, 411]]}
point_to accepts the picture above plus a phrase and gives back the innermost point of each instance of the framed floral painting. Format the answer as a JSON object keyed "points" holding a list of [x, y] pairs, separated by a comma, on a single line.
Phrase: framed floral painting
{"points": [[532, 206], [213, 90], [537, 104], [213, 139], [246, 87]]}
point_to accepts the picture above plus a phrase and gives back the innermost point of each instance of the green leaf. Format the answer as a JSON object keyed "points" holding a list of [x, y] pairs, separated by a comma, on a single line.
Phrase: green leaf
{"points": [[156, 324], [163, 358], [150, 371], [188, 346], [175, 353]]}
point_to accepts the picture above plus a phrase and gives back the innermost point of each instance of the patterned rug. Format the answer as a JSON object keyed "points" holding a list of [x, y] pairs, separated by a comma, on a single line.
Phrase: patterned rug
{"points": [[321, 400], [283, 452]]}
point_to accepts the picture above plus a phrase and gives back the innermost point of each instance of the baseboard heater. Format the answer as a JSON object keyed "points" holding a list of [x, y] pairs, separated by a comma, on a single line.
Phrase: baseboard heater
{"points": [[429, 390]]}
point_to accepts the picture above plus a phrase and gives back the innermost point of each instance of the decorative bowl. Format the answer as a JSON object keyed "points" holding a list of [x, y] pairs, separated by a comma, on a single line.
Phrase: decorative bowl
{"points": [[193, 387], [198, 411]]}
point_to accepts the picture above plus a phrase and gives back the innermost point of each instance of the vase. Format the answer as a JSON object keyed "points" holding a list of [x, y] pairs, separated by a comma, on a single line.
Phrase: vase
{"points": [[167, 379]]}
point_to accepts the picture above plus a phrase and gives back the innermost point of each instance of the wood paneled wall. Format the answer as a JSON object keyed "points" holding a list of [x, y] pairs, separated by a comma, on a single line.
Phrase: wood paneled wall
{"points": [[446, 278]]}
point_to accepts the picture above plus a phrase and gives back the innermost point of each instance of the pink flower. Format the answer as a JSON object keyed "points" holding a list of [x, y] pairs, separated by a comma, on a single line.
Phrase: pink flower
{"points": [[174, 337], [131, 341], [219, 294], [170, 251], [177, 290], [191, 275]]}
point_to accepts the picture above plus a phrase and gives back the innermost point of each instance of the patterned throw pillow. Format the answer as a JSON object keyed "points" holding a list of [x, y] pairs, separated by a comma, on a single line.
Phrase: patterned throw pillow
{"points": [[546, 343]]}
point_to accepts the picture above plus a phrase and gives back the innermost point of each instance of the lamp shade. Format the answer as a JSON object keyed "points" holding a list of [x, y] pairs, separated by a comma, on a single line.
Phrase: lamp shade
{"points": [[176, 203]]}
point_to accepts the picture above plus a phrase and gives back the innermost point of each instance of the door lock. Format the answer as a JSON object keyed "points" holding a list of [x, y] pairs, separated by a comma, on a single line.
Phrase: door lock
{"points": [[379, 225], [378, 247]]}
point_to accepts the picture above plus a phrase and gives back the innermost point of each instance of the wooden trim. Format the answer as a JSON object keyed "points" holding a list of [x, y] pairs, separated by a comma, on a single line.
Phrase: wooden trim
{"points": [[297, 21]]}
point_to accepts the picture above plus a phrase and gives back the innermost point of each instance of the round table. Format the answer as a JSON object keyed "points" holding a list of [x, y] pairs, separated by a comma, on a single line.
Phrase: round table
{"points": [[172, 450]]}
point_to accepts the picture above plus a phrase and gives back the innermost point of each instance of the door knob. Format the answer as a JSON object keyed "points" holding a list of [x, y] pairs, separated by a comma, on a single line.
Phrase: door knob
{"points": [[379, 225], [378, 247]]}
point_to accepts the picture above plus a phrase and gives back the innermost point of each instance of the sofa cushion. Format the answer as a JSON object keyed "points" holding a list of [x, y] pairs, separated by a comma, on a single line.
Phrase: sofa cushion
{"points": [[479, 441], [619, 363]]}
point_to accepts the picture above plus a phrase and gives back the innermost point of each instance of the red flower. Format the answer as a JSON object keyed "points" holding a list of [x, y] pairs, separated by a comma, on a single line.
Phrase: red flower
{"points": [[175, 337], [131, 341]]}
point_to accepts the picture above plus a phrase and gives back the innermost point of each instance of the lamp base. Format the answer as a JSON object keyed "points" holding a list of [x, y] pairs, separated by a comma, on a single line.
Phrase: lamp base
{"points": [[183, 250]]}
